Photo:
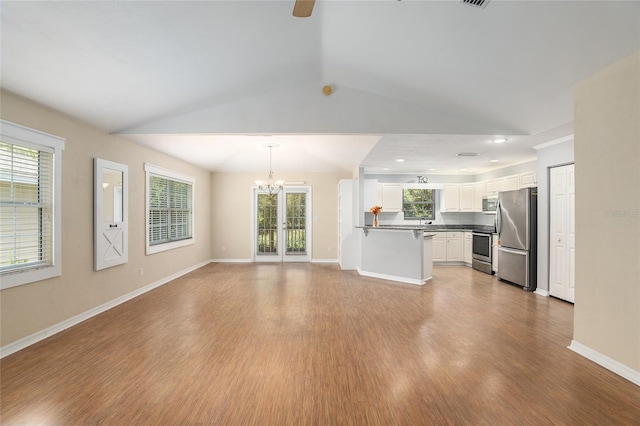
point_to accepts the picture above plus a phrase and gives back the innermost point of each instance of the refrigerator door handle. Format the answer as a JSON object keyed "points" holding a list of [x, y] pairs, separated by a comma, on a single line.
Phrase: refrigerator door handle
{"points": [[513, 251], [498, 217]]}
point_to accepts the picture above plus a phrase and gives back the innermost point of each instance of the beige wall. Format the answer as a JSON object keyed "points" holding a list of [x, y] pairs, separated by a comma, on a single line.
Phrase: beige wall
{"points": [[33, 307], [232, 212], [607, 158]]}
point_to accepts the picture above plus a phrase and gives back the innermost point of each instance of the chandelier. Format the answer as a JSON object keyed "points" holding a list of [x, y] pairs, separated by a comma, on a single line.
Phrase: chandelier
{"points": [[270, 186]]}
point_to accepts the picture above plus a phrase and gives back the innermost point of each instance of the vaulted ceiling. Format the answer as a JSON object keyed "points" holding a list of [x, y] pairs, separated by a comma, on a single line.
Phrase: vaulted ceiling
{"points": [[206, 80]]}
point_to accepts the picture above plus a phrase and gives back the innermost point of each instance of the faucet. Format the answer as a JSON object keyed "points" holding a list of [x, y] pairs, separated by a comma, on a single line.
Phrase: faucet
{"points": [[425, 221]]}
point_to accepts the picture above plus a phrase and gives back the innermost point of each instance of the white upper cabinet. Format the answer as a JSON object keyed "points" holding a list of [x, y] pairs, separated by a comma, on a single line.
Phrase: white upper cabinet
{"points": [[460, 197], [506, 183], [391, 197], [466, 197], [452, 197], [510, 183], [491, 187], [371, 195], [528, 180], [478, 193]]}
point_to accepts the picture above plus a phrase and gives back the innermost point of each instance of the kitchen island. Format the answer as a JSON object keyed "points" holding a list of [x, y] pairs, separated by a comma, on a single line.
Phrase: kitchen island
{"points": [[397, 253]]}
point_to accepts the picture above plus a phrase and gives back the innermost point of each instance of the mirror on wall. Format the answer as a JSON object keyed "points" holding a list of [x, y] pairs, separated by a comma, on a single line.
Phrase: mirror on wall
{"points": [[110, 214]]}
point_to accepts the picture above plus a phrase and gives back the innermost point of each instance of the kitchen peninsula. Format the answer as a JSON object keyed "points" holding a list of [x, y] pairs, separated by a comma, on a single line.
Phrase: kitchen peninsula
{"points": [[397, 253]]}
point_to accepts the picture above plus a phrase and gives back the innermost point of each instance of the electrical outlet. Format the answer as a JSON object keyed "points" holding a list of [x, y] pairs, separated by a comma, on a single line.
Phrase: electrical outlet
{"points": [[224, 248], [141, 272]]}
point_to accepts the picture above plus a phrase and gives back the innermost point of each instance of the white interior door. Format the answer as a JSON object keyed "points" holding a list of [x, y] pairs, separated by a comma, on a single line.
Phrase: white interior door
{"points": [[562, 232], [282, 225], [110, 214]]}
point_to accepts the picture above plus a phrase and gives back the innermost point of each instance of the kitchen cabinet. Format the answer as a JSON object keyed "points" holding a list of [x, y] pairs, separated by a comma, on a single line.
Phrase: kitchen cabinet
{"points": [[455, 249], [494, 253], [478, 193], [511, 183], [468, 247], [452, 197], [391, 199], [466, 197], [528, 180], [440, 247], [459, 197], [371, 194], [491, 186], [448, 247]]}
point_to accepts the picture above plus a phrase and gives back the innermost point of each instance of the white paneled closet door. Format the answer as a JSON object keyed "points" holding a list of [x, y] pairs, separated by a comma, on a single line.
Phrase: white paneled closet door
{"points": [[562, 232]]}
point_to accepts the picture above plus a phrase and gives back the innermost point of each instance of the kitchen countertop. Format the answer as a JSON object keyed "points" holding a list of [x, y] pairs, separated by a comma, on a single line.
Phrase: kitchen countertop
{"points": [[438, 228]]}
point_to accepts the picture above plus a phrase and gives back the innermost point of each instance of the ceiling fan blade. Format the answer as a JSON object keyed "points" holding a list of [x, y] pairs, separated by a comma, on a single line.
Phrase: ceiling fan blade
{"points": [[303, 8]]}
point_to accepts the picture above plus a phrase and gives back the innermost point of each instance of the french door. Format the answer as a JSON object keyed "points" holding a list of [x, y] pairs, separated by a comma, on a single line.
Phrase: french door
{"points": [[282, 225]]}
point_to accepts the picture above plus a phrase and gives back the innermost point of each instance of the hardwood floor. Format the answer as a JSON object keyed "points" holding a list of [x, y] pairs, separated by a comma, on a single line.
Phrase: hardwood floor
{"points": [[298, 344]]}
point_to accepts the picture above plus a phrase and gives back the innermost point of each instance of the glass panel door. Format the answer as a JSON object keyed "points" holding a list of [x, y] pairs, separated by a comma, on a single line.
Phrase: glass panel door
{"points": [[267, 227], [296, 221], [282, 226]]}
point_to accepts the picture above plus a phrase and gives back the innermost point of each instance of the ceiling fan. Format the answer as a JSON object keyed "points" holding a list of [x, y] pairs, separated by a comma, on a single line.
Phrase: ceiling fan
{"points": [[303, 8]]}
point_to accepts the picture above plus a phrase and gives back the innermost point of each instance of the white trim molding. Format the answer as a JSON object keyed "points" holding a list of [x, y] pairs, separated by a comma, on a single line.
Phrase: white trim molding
{"points": [[63, 325], [393, 278], [610, 364], [31, 138], [324, 261], [553, 142], [231, 261], [541, 292]]}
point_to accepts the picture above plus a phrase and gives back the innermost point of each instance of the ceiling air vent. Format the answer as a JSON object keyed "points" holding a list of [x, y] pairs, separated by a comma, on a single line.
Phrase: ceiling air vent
{"points": [[475, 3], [467, 154]]}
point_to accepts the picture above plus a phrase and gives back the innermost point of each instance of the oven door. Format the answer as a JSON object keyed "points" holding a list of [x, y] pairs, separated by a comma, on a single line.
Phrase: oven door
{"points": [[482, 247]]}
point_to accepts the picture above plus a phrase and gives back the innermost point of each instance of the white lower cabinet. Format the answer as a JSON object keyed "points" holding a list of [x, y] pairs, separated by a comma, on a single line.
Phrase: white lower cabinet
{"points": [[468, 247], [448, 247], [440, 247], [455, 250]]}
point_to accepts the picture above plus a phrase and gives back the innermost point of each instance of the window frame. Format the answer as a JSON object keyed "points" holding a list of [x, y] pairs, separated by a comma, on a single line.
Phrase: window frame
{"points": [[34, 139], [150, 170], [434, 203]]}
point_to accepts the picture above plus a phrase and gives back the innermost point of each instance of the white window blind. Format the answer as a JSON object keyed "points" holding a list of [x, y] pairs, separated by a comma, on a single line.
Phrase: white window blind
{"points": [[26, 207], [170, 210]]}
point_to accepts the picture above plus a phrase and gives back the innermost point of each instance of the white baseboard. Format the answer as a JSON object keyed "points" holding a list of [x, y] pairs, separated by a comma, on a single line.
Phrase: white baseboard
{"points": [[324, 261], [392, 277], [231, 260], [610, 364], [541, 292], [63, 325]]}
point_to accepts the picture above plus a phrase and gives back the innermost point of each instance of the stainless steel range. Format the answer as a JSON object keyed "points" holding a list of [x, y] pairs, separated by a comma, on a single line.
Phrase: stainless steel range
{"points": [[481, 253]]}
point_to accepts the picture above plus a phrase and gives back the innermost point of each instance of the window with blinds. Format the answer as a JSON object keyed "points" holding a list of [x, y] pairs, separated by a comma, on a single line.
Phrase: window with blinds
{"points": [[30, 163], [169, 209], [26, 207]]}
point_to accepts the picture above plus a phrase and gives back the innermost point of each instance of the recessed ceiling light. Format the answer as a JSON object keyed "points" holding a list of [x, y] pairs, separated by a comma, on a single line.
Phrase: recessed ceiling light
{"points": [[432, 170], [385, 168], [494, 161], [500, 140], [400, 160], [463, 170], [467, 154]]}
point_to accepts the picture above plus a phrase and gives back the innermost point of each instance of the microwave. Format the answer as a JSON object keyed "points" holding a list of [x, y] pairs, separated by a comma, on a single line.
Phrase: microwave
{"points": [[490, 204]]}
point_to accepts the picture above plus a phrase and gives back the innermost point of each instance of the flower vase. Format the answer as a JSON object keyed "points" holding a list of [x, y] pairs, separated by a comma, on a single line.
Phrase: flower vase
{"points": [[375, 221]]}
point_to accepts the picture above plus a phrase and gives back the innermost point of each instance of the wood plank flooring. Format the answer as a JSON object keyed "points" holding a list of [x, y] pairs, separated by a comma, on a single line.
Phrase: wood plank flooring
{"points": [[308, 344]]}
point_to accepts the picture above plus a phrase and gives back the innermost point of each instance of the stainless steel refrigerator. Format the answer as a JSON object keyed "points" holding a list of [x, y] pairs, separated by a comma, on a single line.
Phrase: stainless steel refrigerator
{"points": [[516, 224]]}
